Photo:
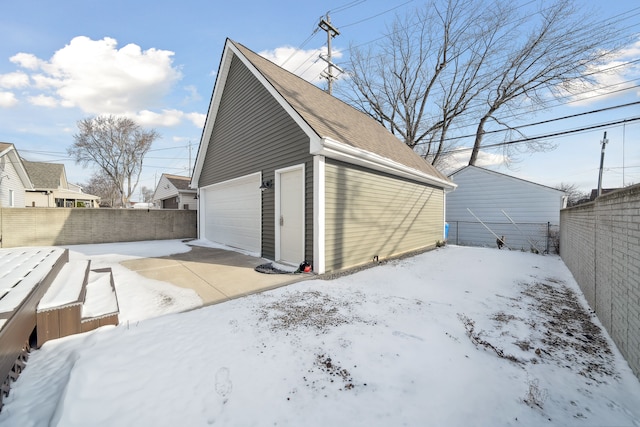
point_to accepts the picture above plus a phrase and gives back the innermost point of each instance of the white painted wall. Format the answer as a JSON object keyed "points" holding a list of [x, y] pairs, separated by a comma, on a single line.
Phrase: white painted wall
{"points": [[188, 199], [10, 182], [486, 194]]}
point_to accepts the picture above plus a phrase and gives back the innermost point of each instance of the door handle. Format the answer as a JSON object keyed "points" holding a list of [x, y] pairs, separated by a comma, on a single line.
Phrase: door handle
{"points": [[281, 220]]}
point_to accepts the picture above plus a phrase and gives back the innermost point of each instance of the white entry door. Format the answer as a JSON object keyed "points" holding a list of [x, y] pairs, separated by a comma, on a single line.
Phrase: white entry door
{"points": [[290, 215]]}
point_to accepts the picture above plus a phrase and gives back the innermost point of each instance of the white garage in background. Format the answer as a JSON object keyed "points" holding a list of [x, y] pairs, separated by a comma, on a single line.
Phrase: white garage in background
{"points": [[233, 213], [488, 204]]}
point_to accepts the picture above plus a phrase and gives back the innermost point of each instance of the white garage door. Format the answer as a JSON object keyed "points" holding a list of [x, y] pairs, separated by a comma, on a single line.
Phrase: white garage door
{"points": [[232, 213]]}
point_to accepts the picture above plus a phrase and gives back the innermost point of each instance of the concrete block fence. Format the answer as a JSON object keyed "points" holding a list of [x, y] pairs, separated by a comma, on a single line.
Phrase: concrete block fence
{"points": [[75, 226], [600, 244]]}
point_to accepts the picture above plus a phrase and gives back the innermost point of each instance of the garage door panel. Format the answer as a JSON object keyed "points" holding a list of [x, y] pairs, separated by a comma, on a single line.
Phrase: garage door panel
{"points": [[233, 213]]}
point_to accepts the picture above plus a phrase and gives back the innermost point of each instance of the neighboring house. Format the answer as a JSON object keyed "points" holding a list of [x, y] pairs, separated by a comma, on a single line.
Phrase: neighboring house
{"points": [[14, 179], [288, 172], [51, 189], [173, 192], [496, 199]]}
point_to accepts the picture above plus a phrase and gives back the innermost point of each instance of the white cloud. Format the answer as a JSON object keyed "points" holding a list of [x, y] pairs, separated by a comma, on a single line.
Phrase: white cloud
{"points": [[197, 119], [459, 158], [193, 93], [26, 60], [613, 76], [43, 101], [167, 118], [7, 99], [99, 78], [304, 63], [14, 80]]}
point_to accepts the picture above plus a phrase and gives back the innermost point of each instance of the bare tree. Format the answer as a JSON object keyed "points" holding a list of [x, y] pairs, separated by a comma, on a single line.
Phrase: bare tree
{"points": [[574, 195], [394, 85], [117, 145], [147, 194], [101, 185], [552, 59], [459, 63]]}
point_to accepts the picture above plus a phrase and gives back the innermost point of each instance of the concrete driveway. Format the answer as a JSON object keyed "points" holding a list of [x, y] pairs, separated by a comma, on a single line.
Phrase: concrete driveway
{"points": [[217, 275]]}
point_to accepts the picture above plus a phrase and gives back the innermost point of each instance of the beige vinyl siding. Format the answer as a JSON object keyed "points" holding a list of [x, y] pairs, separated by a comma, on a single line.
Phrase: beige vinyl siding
{"points": [[372, 214], [253, 133]]}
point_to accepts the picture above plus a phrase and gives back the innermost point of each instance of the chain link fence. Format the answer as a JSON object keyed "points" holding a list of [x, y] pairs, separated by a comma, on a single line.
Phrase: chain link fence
{"points": [[533, 237]]}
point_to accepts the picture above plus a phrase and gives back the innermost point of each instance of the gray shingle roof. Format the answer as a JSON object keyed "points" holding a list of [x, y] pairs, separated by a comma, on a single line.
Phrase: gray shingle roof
{"points": [[44, 175], [332, 118], [180, 182]]}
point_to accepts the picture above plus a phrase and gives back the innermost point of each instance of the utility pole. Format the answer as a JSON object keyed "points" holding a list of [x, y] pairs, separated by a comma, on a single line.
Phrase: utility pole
{"points": [[325, 24], [604, 144], [189, 158]]}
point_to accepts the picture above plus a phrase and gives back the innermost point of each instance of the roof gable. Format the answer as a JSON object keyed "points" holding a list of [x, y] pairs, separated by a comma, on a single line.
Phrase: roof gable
{"points": [[46, 175], [471, 170], [8, 150], [335, 128], [170, 185], [180, 182]]}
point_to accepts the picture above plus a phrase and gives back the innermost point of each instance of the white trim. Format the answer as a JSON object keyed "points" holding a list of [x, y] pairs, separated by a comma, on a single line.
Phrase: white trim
{"points": [[278, 196], [338, 151], [319, 205], [200, 223]]}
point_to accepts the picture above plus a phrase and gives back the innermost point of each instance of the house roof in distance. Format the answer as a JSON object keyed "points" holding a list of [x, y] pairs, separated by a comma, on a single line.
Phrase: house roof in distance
{"points": [[44, 175], [180, 182]]}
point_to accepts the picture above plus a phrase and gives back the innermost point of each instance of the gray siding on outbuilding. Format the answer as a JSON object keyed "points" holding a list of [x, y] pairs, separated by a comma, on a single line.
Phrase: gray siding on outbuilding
{"points": [[369, 213], [252, 133]]}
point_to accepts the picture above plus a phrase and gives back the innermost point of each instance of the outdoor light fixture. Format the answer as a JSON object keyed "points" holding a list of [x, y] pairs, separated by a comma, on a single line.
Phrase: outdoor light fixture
{"points": [[266, 185]]}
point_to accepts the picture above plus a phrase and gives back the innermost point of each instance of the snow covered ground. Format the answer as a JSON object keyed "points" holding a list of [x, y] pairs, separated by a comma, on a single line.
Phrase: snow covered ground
{"points": [[454, 337]]}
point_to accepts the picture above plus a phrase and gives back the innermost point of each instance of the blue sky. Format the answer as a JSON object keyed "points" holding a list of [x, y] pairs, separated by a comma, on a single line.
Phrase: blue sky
{"points": [[156, 61]]}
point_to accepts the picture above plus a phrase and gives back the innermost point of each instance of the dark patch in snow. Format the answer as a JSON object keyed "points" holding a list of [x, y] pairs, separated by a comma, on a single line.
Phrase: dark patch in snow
{"points": [[559, 329], [309, 309]]}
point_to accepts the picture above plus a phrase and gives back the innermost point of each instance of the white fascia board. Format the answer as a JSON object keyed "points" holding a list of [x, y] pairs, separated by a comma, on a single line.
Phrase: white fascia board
{"points": [[216, 96], [15, 160], [338, 151]]}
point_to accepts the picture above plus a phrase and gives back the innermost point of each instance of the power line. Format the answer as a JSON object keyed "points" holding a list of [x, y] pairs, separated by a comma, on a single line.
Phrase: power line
{"points": [[346, 6], [550, 135], [376, 15], [599, 110]]}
